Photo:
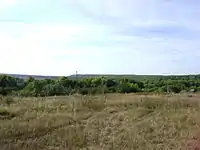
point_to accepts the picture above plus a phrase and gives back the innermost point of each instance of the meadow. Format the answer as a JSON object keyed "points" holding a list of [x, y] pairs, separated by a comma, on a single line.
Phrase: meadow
{"points": [[101, 122]]}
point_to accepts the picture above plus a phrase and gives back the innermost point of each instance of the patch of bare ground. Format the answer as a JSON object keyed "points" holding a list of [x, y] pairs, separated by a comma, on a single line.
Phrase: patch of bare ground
{"points": [[194, 143]]}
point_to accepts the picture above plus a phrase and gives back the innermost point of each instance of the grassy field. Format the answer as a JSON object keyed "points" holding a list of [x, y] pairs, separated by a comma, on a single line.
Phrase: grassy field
{"points": [[108, 122]]}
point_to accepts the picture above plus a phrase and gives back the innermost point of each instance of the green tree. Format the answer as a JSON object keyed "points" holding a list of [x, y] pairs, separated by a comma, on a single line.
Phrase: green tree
{"points": [[7, 84]]}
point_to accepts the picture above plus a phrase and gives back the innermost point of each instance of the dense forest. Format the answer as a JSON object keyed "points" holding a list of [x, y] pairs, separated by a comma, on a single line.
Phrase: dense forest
{"points": [[31, 86]]}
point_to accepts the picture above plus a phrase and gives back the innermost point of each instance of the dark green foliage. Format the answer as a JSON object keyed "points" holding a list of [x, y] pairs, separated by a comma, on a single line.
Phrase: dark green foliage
{"points": [[97, 85], [128, 88], [8, 84]]}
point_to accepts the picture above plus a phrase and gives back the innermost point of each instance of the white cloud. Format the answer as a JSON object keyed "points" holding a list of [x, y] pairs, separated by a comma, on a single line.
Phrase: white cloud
{"points": [[55, 49], [7, 4], [33, 48]]}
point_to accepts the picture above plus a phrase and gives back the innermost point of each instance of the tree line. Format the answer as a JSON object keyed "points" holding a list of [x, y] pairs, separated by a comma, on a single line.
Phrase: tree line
{"points": [[95, 85]]}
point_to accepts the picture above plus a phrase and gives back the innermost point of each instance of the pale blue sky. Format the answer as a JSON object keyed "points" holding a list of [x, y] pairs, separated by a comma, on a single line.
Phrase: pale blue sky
{"points": [[58, 37]]}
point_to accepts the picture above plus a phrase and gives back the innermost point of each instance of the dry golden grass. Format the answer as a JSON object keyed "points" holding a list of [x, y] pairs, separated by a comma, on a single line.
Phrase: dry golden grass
{"points": [[108, 122]]}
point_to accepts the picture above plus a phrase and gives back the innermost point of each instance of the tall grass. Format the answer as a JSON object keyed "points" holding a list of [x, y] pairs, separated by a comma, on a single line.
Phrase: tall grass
{"points": [[113, 121]]}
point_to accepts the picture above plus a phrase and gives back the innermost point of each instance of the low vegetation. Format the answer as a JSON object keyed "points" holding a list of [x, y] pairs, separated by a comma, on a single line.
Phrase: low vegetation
{"points": [[109, 122], [95, 85]]}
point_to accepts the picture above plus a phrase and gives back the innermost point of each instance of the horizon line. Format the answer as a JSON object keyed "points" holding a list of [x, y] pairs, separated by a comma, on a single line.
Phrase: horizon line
{"points": [[105, 74]]}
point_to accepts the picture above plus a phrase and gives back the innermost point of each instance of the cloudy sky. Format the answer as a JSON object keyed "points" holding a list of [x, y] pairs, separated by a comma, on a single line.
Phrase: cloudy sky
{"points": [[58, 37]]}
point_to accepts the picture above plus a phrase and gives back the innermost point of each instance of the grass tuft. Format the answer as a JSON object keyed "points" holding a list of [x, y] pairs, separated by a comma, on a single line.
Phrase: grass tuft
{"points": [[6, 114]]}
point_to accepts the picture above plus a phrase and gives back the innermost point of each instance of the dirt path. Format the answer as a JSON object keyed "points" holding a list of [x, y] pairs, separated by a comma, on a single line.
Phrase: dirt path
{"points": [[194, 143]]}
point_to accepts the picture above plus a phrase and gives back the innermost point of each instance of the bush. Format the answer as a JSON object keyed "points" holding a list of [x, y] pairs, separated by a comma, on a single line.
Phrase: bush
{"points": [[128, 88]]}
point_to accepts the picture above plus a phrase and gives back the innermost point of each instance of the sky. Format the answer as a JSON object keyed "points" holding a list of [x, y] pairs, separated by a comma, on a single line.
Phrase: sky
{"points": [[60, 37]]}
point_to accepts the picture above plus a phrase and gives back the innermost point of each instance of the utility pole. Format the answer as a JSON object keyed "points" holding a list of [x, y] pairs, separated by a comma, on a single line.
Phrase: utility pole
{"points": [[76, 75]]}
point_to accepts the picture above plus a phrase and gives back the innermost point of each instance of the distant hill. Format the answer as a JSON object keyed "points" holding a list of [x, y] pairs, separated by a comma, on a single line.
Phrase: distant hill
{"points": [[112, 76], [80, 76], [35, 76]]}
